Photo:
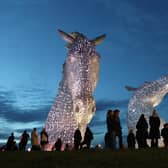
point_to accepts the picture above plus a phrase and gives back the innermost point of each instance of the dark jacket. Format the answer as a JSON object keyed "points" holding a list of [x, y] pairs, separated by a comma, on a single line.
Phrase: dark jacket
{"points": [[88, 135], [58, 144], [116, 126], [131, 140], [77, 136], [154, 123], [109, 123], [164, 133], [142, 128]]}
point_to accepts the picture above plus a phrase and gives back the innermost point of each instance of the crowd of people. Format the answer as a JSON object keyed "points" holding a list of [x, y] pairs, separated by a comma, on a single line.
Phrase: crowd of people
{"points": [[36, 144], [143, 132], [139, 136], [39, 142], [154, 133]]}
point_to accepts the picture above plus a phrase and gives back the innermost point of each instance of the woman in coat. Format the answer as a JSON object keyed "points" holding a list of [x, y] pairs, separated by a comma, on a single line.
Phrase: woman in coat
{"points": [[154, 133]]}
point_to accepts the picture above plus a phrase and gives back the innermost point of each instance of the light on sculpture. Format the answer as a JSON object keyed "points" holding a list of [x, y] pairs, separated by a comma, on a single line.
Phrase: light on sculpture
{"points": [[144, 99], [74, 105]]}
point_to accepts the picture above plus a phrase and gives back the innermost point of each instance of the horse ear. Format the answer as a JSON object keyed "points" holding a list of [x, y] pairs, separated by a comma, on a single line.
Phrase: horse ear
{"points": [[98, 39], [130, 88], [68, 38]]}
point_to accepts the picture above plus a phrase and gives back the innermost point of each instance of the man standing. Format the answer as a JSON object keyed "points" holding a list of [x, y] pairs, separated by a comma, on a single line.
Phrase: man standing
{"points": [[87, 138], [23, 141], [77, 139], [116, 129], [109, 137], [154, 133]]}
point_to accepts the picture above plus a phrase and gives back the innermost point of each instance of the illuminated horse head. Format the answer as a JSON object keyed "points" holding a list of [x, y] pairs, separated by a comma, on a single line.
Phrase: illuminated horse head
{"points": [[144, 99], [74, 106]]}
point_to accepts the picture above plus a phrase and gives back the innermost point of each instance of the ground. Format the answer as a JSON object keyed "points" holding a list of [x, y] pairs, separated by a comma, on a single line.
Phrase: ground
{"points": [[146, 158]]}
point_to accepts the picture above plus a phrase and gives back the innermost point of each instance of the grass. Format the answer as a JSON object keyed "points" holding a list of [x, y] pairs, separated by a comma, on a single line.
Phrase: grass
{"points": [[147, 158]]}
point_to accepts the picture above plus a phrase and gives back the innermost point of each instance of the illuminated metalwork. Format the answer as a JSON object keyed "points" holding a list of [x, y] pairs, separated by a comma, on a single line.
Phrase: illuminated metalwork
{"points": [[74, 106], [144, 99]]}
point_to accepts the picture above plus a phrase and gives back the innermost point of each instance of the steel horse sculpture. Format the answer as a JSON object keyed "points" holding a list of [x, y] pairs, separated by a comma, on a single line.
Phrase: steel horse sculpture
{"points": [[74, 105], [145, 99]]}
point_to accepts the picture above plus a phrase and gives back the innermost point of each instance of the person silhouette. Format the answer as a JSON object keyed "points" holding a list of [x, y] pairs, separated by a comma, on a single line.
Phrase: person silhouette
{"points": [[23, 141], [77, 139], [131, 139], [87, 138], [142, 132], [58, 144], [154, 133], [116, 129], [11, 144]]}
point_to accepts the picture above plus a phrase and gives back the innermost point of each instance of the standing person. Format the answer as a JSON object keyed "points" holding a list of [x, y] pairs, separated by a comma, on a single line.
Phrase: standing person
{"points": [[77, 139], [58, 144], [109, 120], [164, 134], [142, 132], [131, 140], [87, 138], [23, 141], [116, 129], [154, 133], [109, 138], [43, 138], [35, 140], [10, 145]]}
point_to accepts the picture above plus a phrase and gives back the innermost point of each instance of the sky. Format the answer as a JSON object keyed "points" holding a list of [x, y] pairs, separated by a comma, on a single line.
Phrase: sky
{"points": [[32, 53]]}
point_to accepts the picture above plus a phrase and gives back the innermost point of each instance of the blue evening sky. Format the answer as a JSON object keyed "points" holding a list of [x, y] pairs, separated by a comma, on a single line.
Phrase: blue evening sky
{"points": [[32, 53]]}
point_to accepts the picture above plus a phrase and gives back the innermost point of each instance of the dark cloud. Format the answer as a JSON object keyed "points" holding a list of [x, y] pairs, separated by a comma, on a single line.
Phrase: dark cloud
{"points": [[4, 135], [12, 113], [103, 105], [97, 123], [28, 115], [99, 133], [20, 131]]}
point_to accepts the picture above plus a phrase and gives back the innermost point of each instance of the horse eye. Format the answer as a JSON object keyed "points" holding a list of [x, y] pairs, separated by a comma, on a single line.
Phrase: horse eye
{"points": [[77, 109], [93, 109]]}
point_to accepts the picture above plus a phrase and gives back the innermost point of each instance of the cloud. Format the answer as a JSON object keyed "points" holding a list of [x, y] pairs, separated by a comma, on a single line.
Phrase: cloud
{"points": [[25, 104], [16, 127], [14, 118], [4, 135], [103, 105], [97, 123]]}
